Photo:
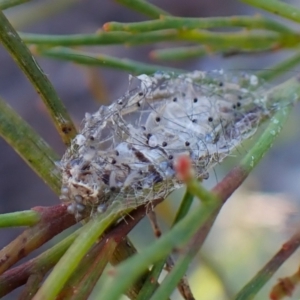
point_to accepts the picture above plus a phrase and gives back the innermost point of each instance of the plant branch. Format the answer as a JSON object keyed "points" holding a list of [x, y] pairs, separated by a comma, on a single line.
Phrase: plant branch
{"points": [[263, 276], [151, 282], [18, 276], [15, 277], [277, 7], [106, 61], [180, 23], [111, 249], [19, 218], [179, 53], [22, 56], [30, 146], [80, 247], [53, 221], [127, 272]]}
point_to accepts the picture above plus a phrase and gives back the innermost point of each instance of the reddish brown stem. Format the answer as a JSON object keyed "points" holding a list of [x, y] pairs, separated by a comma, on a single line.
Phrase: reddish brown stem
{"points": [[260, 279], [18, 276], [93, 264], [53, 221]]}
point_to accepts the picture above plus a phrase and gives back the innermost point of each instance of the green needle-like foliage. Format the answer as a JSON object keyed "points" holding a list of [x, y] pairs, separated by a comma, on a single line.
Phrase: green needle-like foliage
{"points": [[100, 248]]}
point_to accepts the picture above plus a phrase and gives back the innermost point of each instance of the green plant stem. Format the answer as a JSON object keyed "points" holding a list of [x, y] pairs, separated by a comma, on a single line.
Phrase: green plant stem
{"points": [[170, 282], [151, 283], [184, 207], [21, 54], [179, 270], [143, 7], [124, 250], [4, 4], [100, 38], [250, 290], [88, 272], [284, 95], [92, 59], [125, 274], [169, 22], [29, 145], [226, 40], [200, 192], [53, 221], [179, 53], [20, 218], [17, 276], [214, 41], [238, 40], [113, 248], [60, 274], [278, 8], [281, 68]]}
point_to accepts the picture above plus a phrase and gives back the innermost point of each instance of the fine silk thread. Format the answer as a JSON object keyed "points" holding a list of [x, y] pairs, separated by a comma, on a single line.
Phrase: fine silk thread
{"points": [[125, 152]]}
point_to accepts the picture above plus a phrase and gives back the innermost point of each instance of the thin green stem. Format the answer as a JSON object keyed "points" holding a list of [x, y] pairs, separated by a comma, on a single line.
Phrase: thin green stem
{"points": [[283, 96], [113, 247], [151, 283], [277, 7], [53, 221], [249, 291], [92, 59], [60, 274], [200, 192], [168, 22], [180, 53], [144, 7], [17, 276], [30, 146], [100, 38], [281, 68], [170, 282], [20, 218], [21, 54], [184, 206], [124, 250], [238, 40], [131, 269], [88, 272]]}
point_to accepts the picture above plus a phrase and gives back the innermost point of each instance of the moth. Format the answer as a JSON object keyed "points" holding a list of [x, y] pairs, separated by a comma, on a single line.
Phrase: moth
{"points": [[125, 152]]}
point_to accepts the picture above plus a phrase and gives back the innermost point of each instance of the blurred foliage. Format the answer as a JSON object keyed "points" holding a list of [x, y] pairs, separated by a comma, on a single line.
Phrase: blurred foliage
{"points": [[80, 260]]}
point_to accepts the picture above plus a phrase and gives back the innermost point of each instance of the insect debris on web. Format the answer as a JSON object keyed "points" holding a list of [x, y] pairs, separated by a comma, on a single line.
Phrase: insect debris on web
{"points": [[125, 152]]}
